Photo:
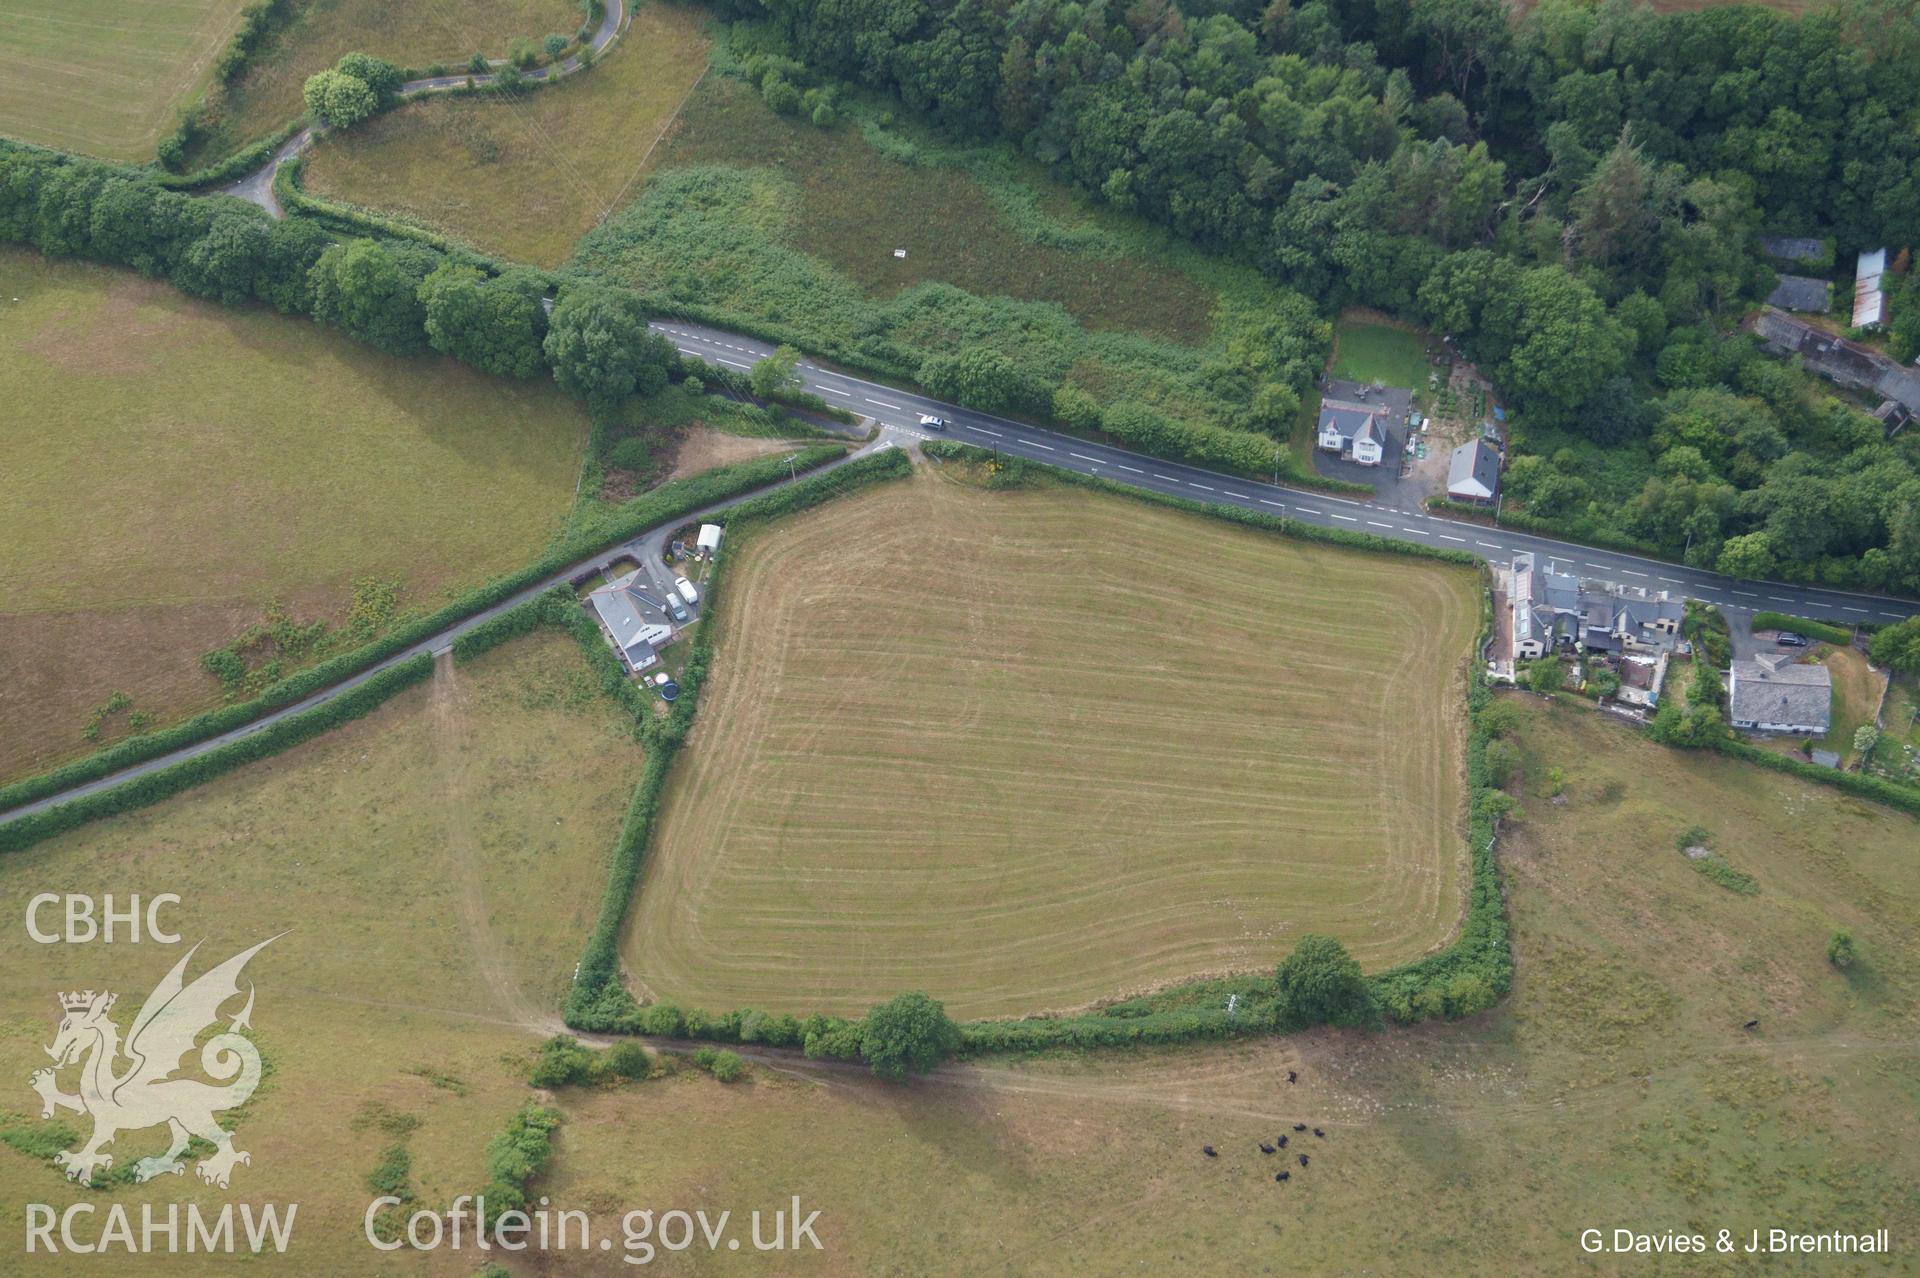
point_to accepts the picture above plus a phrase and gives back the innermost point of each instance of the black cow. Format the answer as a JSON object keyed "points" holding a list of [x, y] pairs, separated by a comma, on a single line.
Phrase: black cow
{"points": [[1283, 1177], [1299, 1127], [1283, 1142], [1265, 1148], [1209, 1151], [1303, 1160], [1292, 1077], [1317, 1132]]}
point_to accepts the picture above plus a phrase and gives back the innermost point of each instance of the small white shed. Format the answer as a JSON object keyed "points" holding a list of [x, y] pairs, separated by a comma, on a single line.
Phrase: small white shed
{"points": [[709, 539]]}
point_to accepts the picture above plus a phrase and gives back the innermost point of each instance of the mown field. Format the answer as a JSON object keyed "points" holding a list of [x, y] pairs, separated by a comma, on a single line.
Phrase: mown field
{"points": [[1028, 750], [527, 178], [1615, 1087], [105, 78], [411, 35], [174, 467], [417, 971]]}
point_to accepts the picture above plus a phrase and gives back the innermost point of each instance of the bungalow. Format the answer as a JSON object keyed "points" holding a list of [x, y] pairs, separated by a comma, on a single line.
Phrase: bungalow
{"points": [[1869, 301], [624, 611], [1473, 473], [1773, 693]]}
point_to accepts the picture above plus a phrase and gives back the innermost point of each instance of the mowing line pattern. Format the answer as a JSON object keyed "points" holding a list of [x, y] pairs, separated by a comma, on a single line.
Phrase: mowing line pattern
{"points": [[1030, 750]]}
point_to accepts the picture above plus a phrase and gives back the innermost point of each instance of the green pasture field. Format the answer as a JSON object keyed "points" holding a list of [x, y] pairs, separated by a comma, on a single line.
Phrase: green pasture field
{"points": [[174, 467], [106, 78], [1029, 750]]}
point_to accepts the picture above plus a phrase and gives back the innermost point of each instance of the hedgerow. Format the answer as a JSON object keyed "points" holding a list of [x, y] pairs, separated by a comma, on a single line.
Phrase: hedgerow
{"points": [[597, 1001], [1841, 635], [605, 529], [167, 781], [1469, 976]]}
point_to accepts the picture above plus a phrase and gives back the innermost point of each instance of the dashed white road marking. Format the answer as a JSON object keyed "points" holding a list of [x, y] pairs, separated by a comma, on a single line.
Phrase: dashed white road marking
{"points": [[1744, 594], [1237, 496], [1628, 572], [833, 391], [1487, 545], [982, 429], [1169, 478], [1673, 581], [1130, 470], [1418, 532], [884, 404], [1083, 457], [1202, 487], [1348, 518], [1374, 523], [1037, 444], [1276, 505], [1447, 537], [736, 363], [1844, 608], [1779, 599]]}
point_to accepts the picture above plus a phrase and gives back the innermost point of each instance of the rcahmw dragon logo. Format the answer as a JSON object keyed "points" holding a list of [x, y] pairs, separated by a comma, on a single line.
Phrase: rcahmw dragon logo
{"points": [[145, 1094]]}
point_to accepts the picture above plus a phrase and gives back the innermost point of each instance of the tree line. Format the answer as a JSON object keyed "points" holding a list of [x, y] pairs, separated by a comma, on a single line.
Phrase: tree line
{"points": [[397, 296], [1575, 197]]}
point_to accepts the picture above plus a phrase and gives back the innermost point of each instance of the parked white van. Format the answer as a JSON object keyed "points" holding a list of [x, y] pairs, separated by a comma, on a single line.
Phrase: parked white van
{"points": [[687, 592]]}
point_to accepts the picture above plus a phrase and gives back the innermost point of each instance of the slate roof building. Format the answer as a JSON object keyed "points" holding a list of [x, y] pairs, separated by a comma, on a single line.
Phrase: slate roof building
{"points": [[1845, 363], [1357, 420], [1801, 293], [1794, 248], [1473, 472], [1774, 693], [632, 620], [1556, 611]]}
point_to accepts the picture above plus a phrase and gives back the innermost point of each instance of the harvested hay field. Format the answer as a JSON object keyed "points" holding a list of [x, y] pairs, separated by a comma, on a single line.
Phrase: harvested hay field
{"points": [[1028, 749]]}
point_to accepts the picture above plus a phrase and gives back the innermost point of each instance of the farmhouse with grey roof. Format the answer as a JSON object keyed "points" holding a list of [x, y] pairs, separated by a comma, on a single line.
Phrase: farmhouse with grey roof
{"points": [[625, 611], [1773, 693], [1357, 419]]}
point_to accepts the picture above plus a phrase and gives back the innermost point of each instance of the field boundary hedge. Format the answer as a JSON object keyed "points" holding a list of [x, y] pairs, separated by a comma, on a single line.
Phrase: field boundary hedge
{"points": [[1804, 625], [672, 501], [1468, 976], [1899, 797], [163, 783], [597, 1001]]}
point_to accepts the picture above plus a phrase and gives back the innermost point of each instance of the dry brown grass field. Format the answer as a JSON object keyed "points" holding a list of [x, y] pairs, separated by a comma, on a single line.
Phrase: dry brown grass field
{"points": [[1615, 1086], [1025, 750], [525, 177], [415, 35], [174, 467], [417, 972]]}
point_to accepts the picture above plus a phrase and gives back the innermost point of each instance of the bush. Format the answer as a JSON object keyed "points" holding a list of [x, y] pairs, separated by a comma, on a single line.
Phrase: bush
{"points": [[780, 94], [627, 1060], [727, 1066], [555, 44], [1897, 647], [563, 1061], [1840, 950], [478, 64]]}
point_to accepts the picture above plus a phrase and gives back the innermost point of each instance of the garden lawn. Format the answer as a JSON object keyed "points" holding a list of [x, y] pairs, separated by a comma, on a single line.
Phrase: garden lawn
{"points": [[526, 177], [104, 76], [174, 467], [1365, 351], [1027, 750]]}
